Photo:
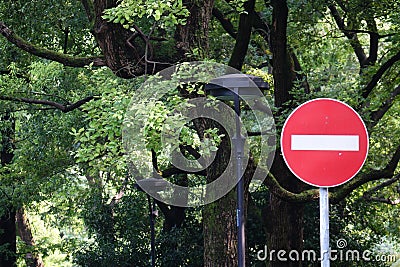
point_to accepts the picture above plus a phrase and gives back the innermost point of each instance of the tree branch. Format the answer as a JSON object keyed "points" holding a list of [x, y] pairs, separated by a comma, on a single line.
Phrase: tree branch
{"points": [[347, 188], [62, 107], [351, 35], [88, 6], [382, 185], [373, 41], [66, 60], [243, 36], [225, 23], [378, 75], [338, 195], [379, 36], [384, 200], [262, 27], [276, 189], [368, 194], [116, 198], [191, 151], [377, 115], [32, 257]]}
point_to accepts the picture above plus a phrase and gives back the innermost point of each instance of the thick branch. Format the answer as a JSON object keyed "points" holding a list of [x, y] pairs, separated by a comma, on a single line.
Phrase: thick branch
{"points": [[66, 60], [378, 75], [377, 115], [260, 25], [88, 6], [276, 189], [258, 133], [351, 35], [282, 67], [384, 200], [336, 196], [382, 185], [62, 107], [191, 151], [243, 36], [388, 171], [225, 23], [368, 194]]}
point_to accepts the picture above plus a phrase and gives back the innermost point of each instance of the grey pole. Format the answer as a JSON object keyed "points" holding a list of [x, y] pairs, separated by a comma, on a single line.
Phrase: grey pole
{"points": [[324, 226], [152, 232], [239, 147], [245, 86]]}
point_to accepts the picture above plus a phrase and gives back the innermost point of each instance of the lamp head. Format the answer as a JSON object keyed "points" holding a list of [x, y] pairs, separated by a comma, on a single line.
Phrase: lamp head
{"points": [[152, 184], [247, 86]]}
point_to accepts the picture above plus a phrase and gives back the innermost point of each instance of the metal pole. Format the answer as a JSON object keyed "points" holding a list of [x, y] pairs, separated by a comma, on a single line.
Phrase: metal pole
{"points": [[152, 232], [239, 147], [324, 226]]}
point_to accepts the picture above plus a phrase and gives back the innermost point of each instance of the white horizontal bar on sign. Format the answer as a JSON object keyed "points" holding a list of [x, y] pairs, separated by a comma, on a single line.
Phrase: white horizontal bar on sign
{"points": [[326, 142]]}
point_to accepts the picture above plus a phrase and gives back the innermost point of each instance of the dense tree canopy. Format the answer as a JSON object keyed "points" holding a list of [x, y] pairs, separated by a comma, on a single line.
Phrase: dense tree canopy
{"points": [[69, 69]]}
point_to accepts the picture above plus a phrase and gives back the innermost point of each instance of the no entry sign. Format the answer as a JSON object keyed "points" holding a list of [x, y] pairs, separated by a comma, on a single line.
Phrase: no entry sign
{"points": [[324, 142]]}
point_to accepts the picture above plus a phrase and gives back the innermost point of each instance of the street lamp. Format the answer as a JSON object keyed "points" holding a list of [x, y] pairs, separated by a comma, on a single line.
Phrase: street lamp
{"points": [[233, 87], [152, 185]]}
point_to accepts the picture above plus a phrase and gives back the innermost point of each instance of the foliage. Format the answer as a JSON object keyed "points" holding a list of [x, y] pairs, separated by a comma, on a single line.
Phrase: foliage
{"points": [[166, 13], [119, 236], [69, 168], [182, 246]]}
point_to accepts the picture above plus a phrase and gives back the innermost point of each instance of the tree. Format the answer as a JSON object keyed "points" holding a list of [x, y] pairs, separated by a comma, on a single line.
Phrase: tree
{"points": [[7, 220], [310, 43]]}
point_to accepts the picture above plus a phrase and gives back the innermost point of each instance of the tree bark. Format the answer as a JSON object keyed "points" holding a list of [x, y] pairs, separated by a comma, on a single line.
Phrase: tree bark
{"points": [[282, 67], [283, 220], [219, 229], [32, 259], [112, 38], [67, 60], [243, 36], [192, 37], [219, 217]]}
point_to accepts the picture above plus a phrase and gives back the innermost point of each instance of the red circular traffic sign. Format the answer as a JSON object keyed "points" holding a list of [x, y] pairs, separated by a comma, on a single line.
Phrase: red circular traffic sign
{"points": [[324, 142]]}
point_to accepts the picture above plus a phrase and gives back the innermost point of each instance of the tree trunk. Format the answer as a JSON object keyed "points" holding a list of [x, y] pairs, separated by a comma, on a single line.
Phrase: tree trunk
{"points": [[285, 232], [121, 58], [283, 220], [124, 51], [8, 247], [219, 229], [282, 66], [32, 259], [192, 37], [219, 217]]}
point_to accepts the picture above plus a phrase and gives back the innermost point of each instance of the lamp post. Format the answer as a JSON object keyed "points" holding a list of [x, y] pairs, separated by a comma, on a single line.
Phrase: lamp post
{"points": [[234, 87], [154, 185]]}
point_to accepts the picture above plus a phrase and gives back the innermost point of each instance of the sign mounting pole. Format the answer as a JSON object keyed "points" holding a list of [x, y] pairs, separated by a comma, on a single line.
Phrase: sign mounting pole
{"points": [[324, 226], [324, 143]]}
